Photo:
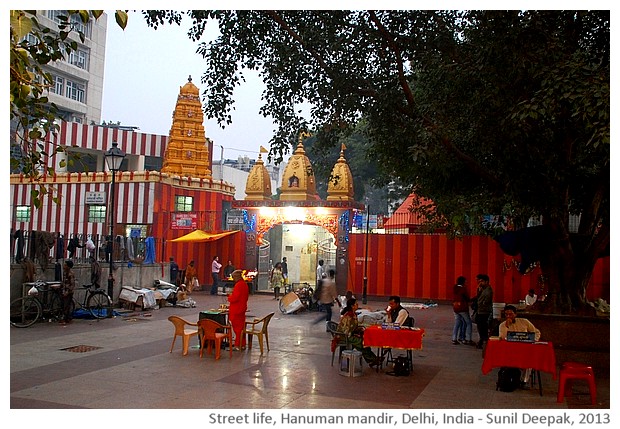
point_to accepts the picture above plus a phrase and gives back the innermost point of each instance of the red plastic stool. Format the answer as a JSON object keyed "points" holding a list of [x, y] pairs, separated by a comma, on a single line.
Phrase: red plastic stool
{"points": [[576, 370]]}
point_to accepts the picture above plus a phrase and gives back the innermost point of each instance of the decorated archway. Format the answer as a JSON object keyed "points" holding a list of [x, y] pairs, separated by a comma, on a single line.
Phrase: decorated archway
{"points": [[333, 216]]}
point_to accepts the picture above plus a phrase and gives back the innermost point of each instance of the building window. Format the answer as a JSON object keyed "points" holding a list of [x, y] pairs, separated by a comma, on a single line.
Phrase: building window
{"points": [[22, 213], [135, 231], [75, 91], [81, 162], [183, 203], [153, 163], [79, 58], [59, 85], [96, 214], [76, 21]]}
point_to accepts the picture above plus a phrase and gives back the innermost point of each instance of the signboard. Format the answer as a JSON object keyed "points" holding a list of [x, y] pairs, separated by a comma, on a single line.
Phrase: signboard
{"points": [[234, 217], [360, 219], [184, 221], [95, 197]]}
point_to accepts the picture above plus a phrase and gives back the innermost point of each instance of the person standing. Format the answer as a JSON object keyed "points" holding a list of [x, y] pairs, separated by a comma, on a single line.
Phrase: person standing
{"points": [[285, 273], [174, 271], [320, 275], [68, 287], [215, 274], [228, 269], [95, 272], [276, 280], [190, 277], [484, 305], [462, 321], [328, 296], [238, 300], [530, 298]]}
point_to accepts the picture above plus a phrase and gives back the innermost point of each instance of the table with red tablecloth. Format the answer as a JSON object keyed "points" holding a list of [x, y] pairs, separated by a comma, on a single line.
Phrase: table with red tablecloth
{"points": [[539, 356], [387, 339]]}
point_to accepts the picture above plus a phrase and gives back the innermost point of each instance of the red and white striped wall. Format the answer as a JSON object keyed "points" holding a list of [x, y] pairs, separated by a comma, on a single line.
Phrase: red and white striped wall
{"points": [[100, 138]]}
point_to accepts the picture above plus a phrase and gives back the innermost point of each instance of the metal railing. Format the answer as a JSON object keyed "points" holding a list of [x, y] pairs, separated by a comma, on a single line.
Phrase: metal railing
{"points": [[45, 248]]}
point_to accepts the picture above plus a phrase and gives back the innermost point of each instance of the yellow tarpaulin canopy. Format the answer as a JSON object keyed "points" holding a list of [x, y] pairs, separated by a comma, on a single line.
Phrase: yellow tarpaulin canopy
{"points": [[200, 236]]}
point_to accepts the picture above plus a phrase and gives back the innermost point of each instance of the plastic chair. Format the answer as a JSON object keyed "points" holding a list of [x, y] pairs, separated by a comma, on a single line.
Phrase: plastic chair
{"points": [[575, 370], [213, 332], [258, 327], [180, 330], [341, 339]]}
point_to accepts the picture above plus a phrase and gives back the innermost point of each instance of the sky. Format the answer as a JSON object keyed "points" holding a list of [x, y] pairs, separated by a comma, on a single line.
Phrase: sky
{"points": [[144, 69]]}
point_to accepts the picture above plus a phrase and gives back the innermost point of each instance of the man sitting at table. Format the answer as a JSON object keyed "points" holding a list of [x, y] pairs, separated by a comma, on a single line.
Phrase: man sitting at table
{"points": [[396, 313], [517, 324]]}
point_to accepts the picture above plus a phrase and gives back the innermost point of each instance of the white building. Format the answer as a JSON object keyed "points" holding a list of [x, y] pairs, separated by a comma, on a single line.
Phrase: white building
{"points": [[78, 80]]}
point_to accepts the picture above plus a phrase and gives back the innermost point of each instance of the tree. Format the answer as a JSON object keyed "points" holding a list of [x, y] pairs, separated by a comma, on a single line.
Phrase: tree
{"points": [[483, 112], [32, 115]]}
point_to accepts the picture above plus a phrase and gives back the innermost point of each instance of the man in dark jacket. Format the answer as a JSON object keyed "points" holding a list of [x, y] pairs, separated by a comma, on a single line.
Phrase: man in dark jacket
{"points": [[484, 301]]}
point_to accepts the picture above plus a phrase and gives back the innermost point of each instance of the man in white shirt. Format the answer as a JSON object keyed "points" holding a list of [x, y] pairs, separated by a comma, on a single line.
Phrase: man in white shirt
{"points": [[517, 324], [215, 274], [530, 298]]}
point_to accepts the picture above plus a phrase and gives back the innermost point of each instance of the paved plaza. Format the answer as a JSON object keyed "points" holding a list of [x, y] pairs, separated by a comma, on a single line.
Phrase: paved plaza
{"points": [[124, 363]]}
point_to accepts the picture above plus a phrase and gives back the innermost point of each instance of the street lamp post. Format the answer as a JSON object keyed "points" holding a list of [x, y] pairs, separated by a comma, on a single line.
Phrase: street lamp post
{"points": [[113, 158]]}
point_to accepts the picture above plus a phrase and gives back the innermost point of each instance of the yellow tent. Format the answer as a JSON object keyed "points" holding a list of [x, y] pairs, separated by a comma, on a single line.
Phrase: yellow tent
{"points": [[200, 236]]}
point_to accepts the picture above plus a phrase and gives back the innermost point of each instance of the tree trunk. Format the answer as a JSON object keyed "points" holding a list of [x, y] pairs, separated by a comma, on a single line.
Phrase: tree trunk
{"points": [[567, 272]]}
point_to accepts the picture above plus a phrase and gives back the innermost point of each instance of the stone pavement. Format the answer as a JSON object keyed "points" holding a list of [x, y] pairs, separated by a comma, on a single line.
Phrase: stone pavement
{"points": [[124, 363]]}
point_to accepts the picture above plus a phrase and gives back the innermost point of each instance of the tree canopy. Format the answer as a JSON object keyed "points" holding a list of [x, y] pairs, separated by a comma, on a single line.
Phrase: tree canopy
{"points": [[483, 112]]}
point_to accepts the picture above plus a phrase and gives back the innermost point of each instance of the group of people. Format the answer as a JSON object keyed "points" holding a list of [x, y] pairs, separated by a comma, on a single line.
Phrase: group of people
{"points": [[482, 306], [189, 281], [349, 326]]}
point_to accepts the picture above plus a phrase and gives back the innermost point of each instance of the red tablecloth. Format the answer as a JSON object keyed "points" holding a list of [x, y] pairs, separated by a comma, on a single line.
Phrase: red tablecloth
{"points": [[375, 336], [539, 357]]}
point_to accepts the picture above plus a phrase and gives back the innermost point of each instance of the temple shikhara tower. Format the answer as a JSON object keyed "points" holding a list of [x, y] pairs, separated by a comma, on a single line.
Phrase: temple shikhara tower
{"points": [[298, 182], [187, 153]]}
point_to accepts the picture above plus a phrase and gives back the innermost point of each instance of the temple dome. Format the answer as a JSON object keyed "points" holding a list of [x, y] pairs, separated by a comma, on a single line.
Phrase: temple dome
{"points": [[340, 185], [258, 184], [298, 182], [189, 88]]}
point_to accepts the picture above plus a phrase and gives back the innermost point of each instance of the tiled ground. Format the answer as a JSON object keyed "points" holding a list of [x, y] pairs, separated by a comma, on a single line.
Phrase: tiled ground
{"points": [[130, 367]]}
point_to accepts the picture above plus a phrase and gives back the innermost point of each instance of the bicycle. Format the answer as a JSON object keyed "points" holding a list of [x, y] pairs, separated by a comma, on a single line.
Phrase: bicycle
{"points": [[46, 300], [96, 301]]}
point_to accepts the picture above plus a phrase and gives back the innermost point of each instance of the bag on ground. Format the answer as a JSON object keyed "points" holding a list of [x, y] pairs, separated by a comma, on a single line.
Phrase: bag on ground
{"points": [[508, 379]]}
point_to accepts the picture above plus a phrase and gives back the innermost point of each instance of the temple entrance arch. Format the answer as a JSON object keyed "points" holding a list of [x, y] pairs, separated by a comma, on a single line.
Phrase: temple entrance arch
{"points": [[312, 230], [303, 244]]}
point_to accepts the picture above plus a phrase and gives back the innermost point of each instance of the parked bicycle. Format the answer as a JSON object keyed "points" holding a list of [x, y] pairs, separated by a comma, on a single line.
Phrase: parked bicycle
{"points": [[95, 301], [44, 301]]}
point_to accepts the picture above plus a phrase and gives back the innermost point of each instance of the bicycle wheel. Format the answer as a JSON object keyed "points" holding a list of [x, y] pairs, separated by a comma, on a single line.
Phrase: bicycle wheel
{"points": [[99, 304], [55, 310], [25, 311]]}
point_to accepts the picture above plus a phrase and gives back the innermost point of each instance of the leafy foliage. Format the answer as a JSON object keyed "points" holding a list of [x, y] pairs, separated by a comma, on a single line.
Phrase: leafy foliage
{"points": [[483, 112]]}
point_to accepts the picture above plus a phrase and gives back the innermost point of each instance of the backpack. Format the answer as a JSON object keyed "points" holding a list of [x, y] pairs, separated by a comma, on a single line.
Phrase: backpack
{"points": [[401, 367], [508, 379]]}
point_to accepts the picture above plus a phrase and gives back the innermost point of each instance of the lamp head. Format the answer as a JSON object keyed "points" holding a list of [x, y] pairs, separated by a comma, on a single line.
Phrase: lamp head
{"points": [[114, 157]]}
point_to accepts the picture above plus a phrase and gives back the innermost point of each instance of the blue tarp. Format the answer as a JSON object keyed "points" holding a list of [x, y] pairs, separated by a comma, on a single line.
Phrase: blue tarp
{"points": [[149, 257]]}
